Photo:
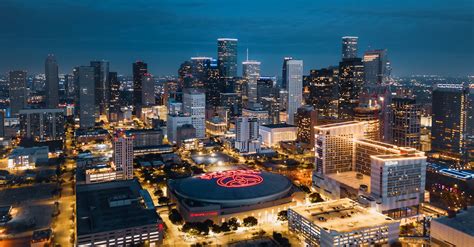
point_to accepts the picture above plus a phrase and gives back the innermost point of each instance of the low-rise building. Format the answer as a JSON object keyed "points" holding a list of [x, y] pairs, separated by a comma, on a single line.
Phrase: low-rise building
{"points": [[453, 230], [41, 238], [27, 158], [273, 134]]}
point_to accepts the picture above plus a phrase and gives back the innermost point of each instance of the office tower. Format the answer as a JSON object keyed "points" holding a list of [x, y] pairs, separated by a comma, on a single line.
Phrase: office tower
{"points": [[52, 82], [148, 90], [323, 89], [349, 47], [450, 120], [370, 115], [2, 123], [145, 137], [351, 80], [194, 104], [405, 120], [102, 86], [17, 91], [334, 148], [139, 70], [294, 79], [69, 86], [42, 124], [203, 73], [115, 102], [123, 154], [227, 57], [284, 73], [267, 87], [185, 132], [272, 106], [246, 135], [376, 70], [306, 119], [86, 82], [251, 73], [174, 121]]}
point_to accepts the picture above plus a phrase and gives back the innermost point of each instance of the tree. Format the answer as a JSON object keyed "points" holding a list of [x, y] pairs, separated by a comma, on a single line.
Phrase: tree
{"points": [[250, 221], [163, 200], [175, 217], [283, 215], [158, 193], [233, 224], [281, 240], [305, 189], [315, 197]]}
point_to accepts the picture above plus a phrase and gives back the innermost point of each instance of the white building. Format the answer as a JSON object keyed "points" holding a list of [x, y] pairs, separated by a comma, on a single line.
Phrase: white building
{"points": [[273, 134], [246, 137], [294, 86], [123, 155], [251, 73], [194, 104], [174, 122], [341, 223], [26, 158], [455, 230]]}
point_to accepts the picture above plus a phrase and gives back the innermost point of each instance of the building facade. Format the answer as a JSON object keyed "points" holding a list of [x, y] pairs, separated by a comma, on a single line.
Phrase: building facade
{"points": [[294, 87], [42, 124]]}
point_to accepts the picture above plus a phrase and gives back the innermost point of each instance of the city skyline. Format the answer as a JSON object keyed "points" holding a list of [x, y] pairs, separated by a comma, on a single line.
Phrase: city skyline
{"points": [[167, 34]]}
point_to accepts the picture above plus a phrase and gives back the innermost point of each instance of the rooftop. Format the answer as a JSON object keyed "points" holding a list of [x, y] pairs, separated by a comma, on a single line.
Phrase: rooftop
{"points": [[350, 179], [342, 124], [464, 221], [113, 205], [278, 125], [41, 235], [343, 215]]}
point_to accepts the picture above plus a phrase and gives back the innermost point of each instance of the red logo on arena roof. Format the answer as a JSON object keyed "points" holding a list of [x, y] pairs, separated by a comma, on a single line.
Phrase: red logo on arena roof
{"points": [[235, 178]]}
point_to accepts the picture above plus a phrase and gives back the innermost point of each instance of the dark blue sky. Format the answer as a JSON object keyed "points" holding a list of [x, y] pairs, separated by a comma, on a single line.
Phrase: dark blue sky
{"points": [[422, 37]]}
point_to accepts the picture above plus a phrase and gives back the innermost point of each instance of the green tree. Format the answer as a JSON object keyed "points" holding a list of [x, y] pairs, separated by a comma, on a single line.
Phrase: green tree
{"points": [[175, 217], [250, 221], [283, 215], [315, 197]]}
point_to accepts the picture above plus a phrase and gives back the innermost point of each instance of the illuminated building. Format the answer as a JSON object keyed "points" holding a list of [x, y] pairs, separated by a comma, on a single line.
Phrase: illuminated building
{"points": [[123, 154], [100, 174], [247, 135], [272, 106], [194, 104], [251, 73], [148, 90], [273, 134], [349, 47], [227, 57], [216, 126], [118, 213], [86, 81], [17, 91], [294, 87], [41, 238], [306, 119], [42, 124], [376, 70], [175, 121], [341, 223], [284, 73], [322, 85], [266, 88], [185, 133], [370, 115], [257, 112], [449, 124], [453, 230], [51, 82], [140, 69], [405, 118], [351, 80], [102, 86], [115, 102], [219, 196], [27, 158], [145, 137]]}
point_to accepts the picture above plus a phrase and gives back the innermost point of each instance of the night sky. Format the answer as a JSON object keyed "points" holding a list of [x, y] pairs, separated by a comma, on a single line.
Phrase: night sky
{"points": [[422, 37]]}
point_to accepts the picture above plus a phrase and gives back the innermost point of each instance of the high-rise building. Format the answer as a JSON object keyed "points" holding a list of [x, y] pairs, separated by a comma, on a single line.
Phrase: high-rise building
{"points": [[449, 125], [174, 121], [86, 82], [52, 82], [42, 124], [194, 104], [294, 70], [376, 69], [405, 118], [267, 87], [349, 47], [251, 73], [2, 123], [306, 119], [284, 73], [148, 90], [227, 57], [115, 102], [123, 154], [139, 70], [323, 85], [102, 86], [247, 135], [351, 80], [17, 91], [370, 115]]}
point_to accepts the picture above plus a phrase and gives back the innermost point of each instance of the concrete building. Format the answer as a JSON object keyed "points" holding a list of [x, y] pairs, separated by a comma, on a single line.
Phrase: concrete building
{"points": [[454, 230], [175, 121], [102, 86], [370, 115], [376, 66], [140, 69], [351, 81], [123, 154], [116, 213], [145, 137], [349, 47], [42, 124], [27, 158], [216, 126], [148, 90], [405, 119], [247, 138], [194, 104], [17, 91], [251, 73], [227, 57], [273, 134], [306, 119], [52, 82], [294, 87], [341, 223], [87, 111]]}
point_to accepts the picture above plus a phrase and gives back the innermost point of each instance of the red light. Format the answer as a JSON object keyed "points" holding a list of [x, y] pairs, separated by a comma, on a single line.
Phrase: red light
{"points": [[212, 213], [235, 178], [160, 227]]}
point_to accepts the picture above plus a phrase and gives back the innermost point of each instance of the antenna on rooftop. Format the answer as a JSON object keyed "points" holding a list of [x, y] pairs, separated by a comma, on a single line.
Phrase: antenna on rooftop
{"points": [[247, 54]]}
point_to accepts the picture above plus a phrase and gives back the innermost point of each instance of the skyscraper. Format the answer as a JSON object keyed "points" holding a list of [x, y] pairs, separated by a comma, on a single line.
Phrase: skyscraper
{"points": [[139, 70], [86, 81], [351, 80], [102, 86], [115, 102], [42, 124], [349, 47], [294, 87], [251, 73], [194, 104], [52, 82], [283, 72], [306, 119], [323, 85], [148, 90], [450, 112], [375, 66], [17, 91], [246, 135], [227, 57], [123, 154], [405, 116]]}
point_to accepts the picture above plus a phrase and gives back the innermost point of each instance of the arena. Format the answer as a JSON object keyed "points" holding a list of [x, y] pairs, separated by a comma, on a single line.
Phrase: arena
{"points": [[234, 193]]}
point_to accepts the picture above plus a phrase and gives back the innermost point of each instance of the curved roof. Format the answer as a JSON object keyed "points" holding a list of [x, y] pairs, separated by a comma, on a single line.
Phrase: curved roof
{"points": [[233, 187]]}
